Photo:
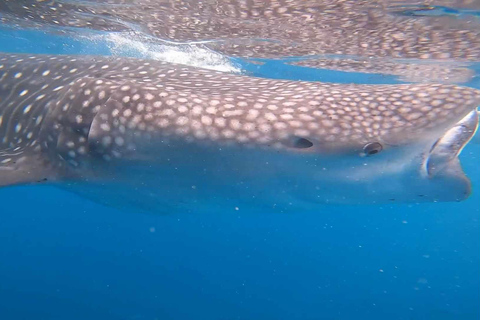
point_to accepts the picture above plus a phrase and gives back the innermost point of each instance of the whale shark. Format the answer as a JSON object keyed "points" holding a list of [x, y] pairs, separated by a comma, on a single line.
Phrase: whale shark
{"points": [[343, 35], [274, 28], [165, 137]]}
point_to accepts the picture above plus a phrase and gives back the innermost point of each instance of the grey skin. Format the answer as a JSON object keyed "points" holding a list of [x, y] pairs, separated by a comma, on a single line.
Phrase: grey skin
{"points": [[346, 35], [163, 137]]}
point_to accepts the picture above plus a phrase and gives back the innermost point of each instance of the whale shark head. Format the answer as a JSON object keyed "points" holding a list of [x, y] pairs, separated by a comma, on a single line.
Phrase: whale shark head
{"points": [[160, 135]]}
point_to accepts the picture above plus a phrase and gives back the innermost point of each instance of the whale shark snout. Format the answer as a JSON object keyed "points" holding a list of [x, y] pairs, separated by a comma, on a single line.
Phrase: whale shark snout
{"points": [[159, 135]]}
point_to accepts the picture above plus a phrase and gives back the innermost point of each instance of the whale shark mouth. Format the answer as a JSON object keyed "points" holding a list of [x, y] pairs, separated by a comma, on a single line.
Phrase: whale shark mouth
{"points": [[445, 151]]}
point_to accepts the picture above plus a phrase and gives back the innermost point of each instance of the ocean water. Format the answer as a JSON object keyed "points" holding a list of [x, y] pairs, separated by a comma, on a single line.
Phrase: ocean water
{"points": [[64, 257]]}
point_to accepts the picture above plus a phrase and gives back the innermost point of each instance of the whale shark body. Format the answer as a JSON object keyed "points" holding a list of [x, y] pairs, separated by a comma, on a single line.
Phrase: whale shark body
{"points": [[166, 137], [346, 35]]}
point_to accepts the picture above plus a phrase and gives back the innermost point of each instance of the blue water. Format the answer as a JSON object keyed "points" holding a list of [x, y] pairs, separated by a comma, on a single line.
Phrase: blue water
{"points": [[64, 257]]}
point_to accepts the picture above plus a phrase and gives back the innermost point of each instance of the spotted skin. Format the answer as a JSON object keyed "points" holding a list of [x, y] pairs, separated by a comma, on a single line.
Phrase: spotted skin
{"points": [[454, 73], [82, 116], [274, 29], [270, 29], [277, 28]]}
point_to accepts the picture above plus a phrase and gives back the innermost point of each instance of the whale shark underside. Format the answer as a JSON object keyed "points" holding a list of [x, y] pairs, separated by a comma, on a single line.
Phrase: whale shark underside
{"points": [[165, 137]]}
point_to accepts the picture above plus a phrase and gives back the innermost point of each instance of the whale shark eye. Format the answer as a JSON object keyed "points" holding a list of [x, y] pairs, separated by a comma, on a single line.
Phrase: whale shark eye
{"points": [[302, 143], [372, 148]]}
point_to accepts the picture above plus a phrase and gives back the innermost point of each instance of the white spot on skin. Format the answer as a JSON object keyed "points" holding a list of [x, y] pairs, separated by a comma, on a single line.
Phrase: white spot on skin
{"points": [[163, 123], [286, 116], [235, 124], [206, 120], [24, 92], [182, 121], [228, 133], [270, 116], [232, 113], [211, 110], [105, 127], [27, 109], [82, 150], [280, 125], [39, 119], [119, 141], [197, 110], [252, 114], [249, 126], [106, 141], [220, 122]]}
